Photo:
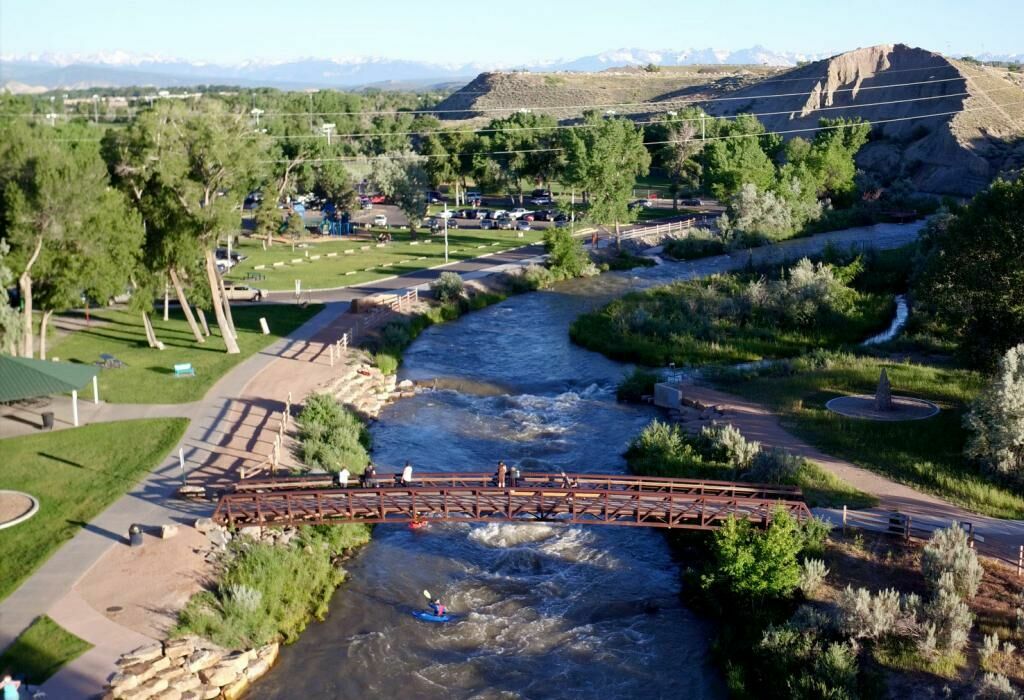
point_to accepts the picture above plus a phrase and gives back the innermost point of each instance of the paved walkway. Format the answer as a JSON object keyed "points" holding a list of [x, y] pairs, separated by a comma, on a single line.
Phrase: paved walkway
{"points": [[231, 427], [757, 423]]}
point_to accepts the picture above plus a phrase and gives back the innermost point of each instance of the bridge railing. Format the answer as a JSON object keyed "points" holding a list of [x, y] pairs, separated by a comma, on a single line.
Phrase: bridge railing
{"points": [[524, 502], [591, 481]]}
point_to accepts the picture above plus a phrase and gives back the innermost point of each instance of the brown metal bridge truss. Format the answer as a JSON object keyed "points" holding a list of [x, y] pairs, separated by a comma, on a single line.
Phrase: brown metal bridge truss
{"points": [[536, 497]]}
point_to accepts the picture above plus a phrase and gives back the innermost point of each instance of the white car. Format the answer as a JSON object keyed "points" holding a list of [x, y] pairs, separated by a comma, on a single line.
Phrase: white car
{"points": [[446, 214], [517, 212], [380, 220], [241, 292]]}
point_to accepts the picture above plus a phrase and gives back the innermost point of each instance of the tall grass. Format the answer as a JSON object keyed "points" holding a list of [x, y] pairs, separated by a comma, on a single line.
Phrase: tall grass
{"points": [[269, 593]]}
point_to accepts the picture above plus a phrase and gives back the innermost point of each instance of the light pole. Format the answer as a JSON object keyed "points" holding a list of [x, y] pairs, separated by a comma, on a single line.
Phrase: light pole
{"points": [[445, 217], [95, 109], [256, 112]]}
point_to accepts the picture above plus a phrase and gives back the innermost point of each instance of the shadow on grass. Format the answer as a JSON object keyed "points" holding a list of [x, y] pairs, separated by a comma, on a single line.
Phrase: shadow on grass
{"points": [[55, 458]]}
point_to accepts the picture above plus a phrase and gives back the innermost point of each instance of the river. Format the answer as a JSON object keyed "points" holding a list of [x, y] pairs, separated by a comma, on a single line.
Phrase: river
{"points": [[543, 611]]}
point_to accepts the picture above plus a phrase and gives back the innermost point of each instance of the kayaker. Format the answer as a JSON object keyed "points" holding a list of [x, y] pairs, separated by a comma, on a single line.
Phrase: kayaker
{"points": [[438, 608]]}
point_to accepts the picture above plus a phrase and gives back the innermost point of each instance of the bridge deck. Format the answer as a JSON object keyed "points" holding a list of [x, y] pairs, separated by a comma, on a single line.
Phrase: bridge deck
{"points": [[536, 497]]}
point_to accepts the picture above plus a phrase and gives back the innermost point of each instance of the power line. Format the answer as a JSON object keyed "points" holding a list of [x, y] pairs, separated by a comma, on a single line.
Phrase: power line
{"points": [[554, 127], [418, 156]]}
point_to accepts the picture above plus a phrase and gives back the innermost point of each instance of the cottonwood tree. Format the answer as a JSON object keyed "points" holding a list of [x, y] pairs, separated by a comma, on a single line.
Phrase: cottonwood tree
{"points": [[970, 274], [742, 155], [209, 158], [604, 158], [996, 420], [51, 191], [10, 323], [403, 179], [171, 242]]}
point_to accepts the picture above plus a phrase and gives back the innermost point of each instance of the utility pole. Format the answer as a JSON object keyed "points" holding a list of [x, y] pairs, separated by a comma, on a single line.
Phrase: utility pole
{"points": [[95, 109], [310, 111], [256, 112], [702, 126]]}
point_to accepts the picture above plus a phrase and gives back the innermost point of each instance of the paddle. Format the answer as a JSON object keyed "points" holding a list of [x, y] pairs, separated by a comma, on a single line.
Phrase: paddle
{"points": [[426, 594]]}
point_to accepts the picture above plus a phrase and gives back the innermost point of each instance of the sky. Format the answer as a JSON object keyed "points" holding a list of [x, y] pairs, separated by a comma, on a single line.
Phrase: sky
{"points": [[464, 31]]}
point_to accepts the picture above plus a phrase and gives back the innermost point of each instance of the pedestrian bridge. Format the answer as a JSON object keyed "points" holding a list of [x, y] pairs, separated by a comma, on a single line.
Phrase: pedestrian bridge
{"points": [[583, 499]]}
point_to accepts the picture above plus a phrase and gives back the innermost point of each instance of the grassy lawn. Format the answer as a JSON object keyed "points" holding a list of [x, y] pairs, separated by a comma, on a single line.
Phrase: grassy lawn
{"points": [[75, 474], [149, 375], [41, 651], [358, 265], [926, 454]]}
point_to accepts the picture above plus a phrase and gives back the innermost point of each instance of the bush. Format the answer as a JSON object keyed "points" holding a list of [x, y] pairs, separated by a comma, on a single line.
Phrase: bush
{"points": [[775, 466], [701, 243], [332, 436], [530, 279], [799, 663], [268, 593], [447, 287], [812, 575], [725, 443], [756, 565], [386, 362], [993, 686], [996, 420], [637, 384], [949, 552], [947, 618], [866, 616], [566, 256]]}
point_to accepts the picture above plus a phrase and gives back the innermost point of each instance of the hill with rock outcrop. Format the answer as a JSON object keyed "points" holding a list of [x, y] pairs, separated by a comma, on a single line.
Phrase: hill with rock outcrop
{"points": [[948, 126]]}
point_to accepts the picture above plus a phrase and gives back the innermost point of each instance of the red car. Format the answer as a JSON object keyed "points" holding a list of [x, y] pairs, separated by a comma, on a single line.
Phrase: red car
{"points": [[378, 198]]}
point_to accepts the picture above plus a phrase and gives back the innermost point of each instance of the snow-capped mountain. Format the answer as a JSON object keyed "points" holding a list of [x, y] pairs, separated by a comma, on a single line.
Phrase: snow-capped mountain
{"points": [[37, 72]]}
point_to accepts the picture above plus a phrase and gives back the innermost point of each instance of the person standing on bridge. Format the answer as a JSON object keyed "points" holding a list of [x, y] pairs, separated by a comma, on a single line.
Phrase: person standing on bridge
{"points": [[407, 474], [370, 476], [502, 471], [343, 476]]}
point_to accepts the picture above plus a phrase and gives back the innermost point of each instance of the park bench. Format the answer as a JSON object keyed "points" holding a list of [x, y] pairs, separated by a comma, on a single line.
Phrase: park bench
{"points": [[108, 361], [184, 369]]}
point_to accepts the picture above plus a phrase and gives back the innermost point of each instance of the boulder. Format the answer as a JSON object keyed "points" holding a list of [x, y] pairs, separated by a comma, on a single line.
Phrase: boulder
{"points": [[256, 669], [168, 531], [236, 689], [202, 659], [160, 664], [220, 675], [169, 694], [176, 648], [218, 537], [253, 531], [269, 653], [173, 674], [188, 682], [154, 686], [122, 682], [204, 525], [149, 652], [140, 671], [239, 660]]}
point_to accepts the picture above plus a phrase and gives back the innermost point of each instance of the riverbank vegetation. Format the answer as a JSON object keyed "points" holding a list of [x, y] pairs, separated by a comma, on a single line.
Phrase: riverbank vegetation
{"points": [[332, 437], [75, 474], [737, 317], [269, 592], [721, 452]]}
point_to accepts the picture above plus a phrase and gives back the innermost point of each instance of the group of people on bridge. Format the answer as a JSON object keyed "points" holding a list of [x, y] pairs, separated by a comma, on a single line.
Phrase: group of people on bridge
{"points": [[504, 477]]}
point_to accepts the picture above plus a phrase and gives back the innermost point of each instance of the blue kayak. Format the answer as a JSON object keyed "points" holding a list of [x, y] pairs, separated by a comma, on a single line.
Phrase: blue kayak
{"points": [[430, 617]]}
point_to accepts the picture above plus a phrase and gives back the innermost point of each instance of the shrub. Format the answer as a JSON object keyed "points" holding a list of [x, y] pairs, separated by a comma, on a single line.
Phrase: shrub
{"points": [[756, 565], [775, 466], [947, 617], [386, 362], [725, 443], [532, 278], [701, 243], [566, 256], [866, 616], [812, 575], [949, 551], [661, 449], [993, 686], [447, 287], [996, 420], [799, 663], [332, 436], [639, 383], [989, 647]]}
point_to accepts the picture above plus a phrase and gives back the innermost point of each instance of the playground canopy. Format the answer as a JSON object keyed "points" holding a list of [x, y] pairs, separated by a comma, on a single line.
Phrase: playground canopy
{"points": [[26, 378]]}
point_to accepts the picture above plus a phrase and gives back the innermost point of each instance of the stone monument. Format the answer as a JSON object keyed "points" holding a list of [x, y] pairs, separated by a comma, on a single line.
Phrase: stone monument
{"points": [[883, 393]]}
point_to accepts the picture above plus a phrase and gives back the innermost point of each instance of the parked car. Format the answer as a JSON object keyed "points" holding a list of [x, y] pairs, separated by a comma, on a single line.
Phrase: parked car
{"points": [[693, 203], [561, 221], [496, 214], [541, 200], [434, 197], [488, 224], [365, 202], [446, 214], [523, 225], [479, 214], [641, 203], [518, 212], [541, 192], [437, 223], [380, 220], [242, 292], [506, 223], [378, 199], [473, 196], [236, 257], [528, 216]]}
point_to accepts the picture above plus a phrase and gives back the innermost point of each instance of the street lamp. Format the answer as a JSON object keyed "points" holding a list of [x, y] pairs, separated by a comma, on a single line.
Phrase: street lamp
{"points": [[95, 108]]}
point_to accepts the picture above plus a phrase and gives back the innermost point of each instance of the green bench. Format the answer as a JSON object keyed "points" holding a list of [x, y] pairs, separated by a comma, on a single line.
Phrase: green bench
{"points": [[184, 369]]}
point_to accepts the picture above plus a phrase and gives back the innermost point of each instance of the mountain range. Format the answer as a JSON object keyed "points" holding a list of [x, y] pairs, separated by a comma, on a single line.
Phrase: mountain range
{"points": [[37, 73]]}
